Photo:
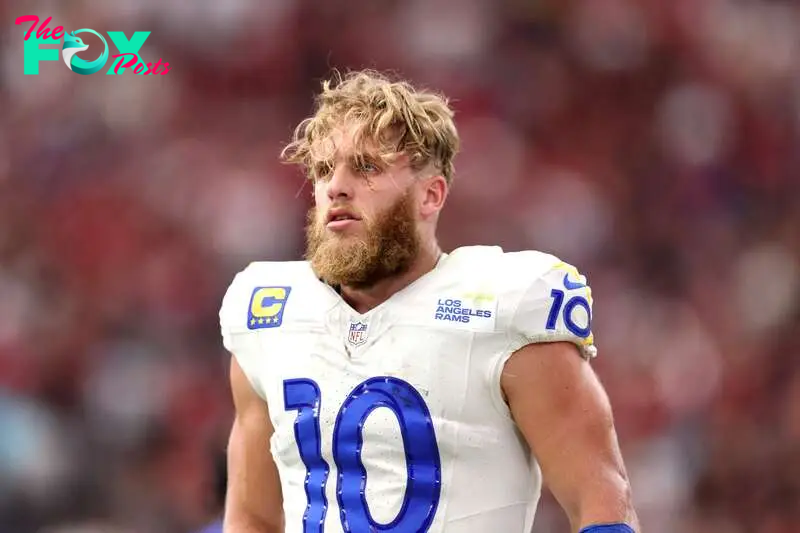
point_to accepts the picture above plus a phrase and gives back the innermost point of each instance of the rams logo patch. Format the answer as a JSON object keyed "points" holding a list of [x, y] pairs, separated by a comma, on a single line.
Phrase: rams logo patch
{"points": [[266, 307]]}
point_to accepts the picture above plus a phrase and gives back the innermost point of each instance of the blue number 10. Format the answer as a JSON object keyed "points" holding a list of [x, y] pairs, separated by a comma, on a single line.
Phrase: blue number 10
{"points": [[572, 303], [423, 484]]}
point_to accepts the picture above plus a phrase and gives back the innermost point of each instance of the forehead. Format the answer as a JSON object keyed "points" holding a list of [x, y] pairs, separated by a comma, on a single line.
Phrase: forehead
{"points": [[347, 140], [341, 141]]}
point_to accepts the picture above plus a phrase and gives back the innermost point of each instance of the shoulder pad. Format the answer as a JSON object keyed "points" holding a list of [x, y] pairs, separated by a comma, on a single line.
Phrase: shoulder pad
{"points": [[555, 302], [257, 297]]}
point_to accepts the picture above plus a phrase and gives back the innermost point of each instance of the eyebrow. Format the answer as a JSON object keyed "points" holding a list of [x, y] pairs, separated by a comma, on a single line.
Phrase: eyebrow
{"points": [[354, 159]]}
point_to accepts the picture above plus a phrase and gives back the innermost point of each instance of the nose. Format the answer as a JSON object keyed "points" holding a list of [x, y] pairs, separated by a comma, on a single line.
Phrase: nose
{"points": [[340, 184]]}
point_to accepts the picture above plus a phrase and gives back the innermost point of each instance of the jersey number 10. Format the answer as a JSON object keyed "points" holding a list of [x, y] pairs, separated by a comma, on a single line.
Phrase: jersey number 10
{"points": [[423, 485]]}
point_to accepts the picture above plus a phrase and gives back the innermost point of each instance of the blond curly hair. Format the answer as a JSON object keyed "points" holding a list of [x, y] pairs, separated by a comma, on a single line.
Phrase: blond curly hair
{"points": [[386, 117]]}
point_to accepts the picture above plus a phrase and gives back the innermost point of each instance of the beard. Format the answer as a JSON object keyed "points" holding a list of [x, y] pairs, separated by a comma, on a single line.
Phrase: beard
{"points": [[389, 248]]}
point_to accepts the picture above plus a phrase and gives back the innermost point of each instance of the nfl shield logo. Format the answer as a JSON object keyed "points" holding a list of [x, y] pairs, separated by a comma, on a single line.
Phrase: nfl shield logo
{"points": [[357, 334]]}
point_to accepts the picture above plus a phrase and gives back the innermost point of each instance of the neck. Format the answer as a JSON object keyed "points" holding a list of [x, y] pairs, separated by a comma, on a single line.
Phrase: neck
{"points": [[362, 299]]}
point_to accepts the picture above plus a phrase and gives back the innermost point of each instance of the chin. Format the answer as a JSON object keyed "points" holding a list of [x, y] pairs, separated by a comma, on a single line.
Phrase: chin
{"points": [[339, 240]]}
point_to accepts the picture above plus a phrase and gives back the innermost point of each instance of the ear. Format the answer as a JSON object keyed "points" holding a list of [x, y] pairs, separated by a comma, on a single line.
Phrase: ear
{"points": [[434, 194]]}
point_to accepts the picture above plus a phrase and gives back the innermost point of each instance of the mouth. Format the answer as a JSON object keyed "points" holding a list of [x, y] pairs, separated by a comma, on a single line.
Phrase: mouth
{"points": [[340, 218]]}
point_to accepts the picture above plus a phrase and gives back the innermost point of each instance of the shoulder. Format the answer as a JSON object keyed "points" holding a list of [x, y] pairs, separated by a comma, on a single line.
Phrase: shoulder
{"points": [[258, 294], [555, 302], [510, 270], [542, 298]]}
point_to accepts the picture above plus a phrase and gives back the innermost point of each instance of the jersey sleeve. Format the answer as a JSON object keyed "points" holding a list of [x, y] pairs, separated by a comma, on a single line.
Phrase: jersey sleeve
{"points": [[237, 338], [556, 306]]}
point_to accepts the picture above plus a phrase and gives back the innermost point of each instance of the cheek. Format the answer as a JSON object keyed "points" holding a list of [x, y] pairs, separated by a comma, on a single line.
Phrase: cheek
{"points": [[371, 208]]}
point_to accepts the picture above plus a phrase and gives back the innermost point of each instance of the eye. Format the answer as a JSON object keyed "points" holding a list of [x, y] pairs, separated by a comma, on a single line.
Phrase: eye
{"points": [[366, 167]]}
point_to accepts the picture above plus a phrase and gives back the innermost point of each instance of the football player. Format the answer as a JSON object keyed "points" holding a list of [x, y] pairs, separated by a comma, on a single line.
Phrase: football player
{"points": [[384, 385]]}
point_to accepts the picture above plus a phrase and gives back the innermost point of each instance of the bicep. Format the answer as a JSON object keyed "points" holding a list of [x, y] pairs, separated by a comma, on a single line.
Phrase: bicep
{"points": [[254, 501], [563, 412]]}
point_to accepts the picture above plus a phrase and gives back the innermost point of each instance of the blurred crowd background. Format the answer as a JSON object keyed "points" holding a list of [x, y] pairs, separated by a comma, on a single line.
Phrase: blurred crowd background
{"points": [[655, 144]]}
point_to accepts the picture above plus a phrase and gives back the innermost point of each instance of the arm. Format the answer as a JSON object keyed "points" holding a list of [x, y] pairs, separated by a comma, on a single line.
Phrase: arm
{"points": [[254, 503], [564, 414]]}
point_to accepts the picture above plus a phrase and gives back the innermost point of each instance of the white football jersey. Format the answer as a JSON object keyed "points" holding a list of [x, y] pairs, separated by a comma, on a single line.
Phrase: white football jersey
{"points": [[394, 420]]}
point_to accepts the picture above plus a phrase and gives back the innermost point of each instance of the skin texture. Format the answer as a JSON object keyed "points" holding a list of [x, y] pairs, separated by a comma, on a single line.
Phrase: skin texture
{"points": [[564, 414]]}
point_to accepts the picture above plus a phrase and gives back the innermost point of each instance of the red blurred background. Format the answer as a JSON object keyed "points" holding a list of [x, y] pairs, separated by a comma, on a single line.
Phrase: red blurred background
{"points": [[655, 144]]}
